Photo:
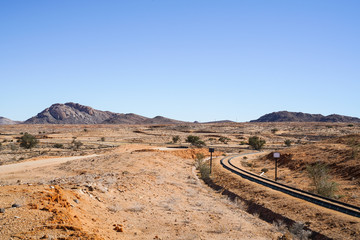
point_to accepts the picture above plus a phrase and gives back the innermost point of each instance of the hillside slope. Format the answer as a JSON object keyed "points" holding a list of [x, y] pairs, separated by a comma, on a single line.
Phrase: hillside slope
{"points": [[285, 116]]}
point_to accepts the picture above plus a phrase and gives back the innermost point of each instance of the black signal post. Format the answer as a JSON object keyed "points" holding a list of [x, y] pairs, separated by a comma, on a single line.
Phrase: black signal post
{"points": [[276, 155], [211, 150]]}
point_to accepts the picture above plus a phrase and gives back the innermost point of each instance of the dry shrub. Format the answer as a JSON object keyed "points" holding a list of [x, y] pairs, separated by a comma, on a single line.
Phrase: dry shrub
{"points": [[321, 180]]}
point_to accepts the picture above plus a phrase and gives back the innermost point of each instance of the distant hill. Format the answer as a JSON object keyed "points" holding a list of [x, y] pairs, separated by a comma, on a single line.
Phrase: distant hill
{"points": [[6, 121], [220, 121], [74, 113], [285, 116]]}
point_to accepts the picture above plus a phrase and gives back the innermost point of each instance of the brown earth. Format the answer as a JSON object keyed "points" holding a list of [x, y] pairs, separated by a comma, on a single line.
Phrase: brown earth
{"points": [[127, 194], [140, 188]]}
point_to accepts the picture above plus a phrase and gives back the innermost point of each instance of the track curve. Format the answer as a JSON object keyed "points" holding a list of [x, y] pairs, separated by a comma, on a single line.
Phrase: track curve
{"points": [[298, 193]]}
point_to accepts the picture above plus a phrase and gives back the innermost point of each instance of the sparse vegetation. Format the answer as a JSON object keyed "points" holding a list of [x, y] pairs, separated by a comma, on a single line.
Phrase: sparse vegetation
{"points": [[175, 139], [274, 130], [287, 142], [321, 180], [256, 142], [264, 170], [202, 166], [13, 147], [224, 140], [243, 143], [355, 147], [195, 141], [28, 141], [102, 139], [76, 144], [58, 145], [298, 232]]}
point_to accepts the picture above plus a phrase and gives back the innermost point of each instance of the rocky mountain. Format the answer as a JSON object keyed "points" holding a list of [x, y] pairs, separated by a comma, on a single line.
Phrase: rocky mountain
{"points": [[285, 116], [74, 113], [70, 113], [6, 121]]}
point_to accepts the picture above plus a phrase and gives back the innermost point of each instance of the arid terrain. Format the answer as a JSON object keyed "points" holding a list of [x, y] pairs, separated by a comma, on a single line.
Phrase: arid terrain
{"points": [[134, 182]]}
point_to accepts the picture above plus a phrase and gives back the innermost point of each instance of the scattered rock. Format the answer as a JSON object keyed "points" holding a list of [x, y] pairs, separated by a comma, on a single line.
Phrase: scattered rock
{"points": [[15, 205], [2, 210], [118, 227], [76, 201]]}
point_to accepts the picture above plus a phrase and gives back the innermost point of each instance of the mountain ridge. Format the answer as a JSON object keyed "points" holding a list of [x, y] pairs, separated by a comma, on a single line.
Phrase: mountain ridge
{"points": [[285, 116], [75, 113], [7, 121]]}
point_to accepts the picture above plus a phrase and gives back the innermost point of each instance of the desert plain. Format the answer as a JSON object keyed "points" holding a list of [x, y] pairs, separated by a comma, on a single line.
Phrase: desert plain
{"points": [[135, 182]]}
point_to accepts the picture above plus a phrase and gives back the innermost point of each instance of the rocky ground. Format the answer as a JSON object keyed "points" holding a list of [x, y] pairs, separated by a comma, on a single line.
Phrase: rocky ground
{"points": [[125, 194], [141, 185]]}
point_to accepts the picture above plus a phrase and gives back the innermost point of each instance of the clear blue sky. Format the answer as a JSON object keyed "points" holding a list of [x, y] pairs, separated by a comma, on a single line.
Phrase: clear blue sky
{"points": [[196, 60]]}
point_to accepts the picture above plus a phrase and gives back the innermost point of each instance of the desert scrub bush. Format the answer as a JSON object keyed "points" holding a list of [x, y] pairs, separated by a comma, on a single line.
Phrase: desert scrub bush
{"points": [[287, 142], [224, 140], [28, 141], [243, 143], [320, 177], [137, 207], [58, 145], [256, 142], [175, 139], [76, 144], [195, 141], [102, 139], [204, 171], [13, 147], [274, 130], [199, 160], [355, 147], [264, 170], [201, 165], [298, 232]]}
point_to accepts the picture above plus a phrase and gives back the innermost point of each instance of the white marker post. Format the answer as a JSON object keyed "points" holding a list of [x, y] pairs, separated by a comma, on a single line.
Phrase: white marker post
{"points": [[276, 155]]}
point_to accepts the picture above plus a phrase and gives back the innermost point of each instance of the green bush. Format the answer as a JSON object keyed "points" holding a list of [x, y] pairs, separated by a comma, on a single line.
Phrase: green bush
{"points": [[195, 140], [58, 145], [256, 142], [224, 140], [175, 139], [287, 142], [28, 141], [204, 171], [274, 130]]}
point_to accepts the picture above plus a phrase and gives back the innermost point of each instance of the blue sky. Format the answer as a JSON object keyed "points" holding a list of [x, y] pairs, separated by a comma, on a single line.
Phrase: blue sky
{"points": [[198, 60]]}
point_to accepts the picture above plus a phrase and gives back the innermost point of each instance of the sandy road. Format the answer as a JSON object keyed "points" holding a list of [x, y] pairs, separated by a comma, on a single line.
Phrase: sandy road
{"points": [[18, 167]]}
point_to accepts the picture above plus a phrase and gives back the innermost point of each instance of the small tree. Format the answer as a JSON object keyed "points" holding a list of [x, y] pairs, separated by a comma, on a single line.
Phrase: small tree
{"points": [[28, 141], [256, 142], [195, 140], [175, 139], [287, 142]]}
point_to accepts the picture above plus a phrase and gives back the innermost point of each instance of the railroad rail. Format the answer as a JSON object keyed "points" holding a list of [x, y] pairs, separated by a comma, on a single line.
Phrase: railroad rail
{"points": [[298, 193]]}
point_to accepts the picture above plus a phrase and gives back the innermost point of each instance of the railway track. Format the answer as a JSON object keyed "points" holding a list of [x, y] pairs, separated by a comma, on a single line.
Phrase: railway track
{"points": [[298, 193]]}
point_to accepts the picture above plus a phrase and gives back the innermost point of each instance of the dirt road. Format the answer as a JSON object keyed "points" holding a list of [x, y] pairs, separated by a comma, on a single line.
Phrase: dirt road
{"points": [[23, 166]]}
